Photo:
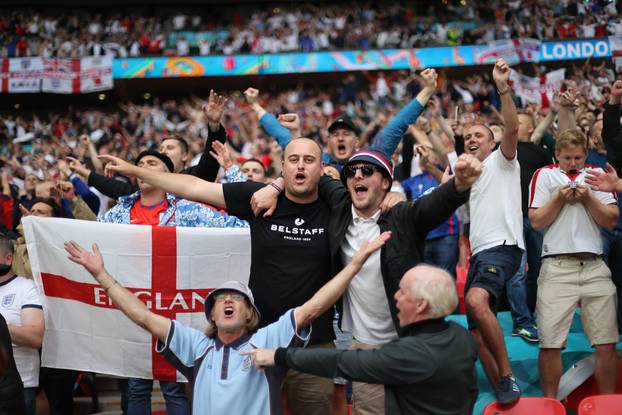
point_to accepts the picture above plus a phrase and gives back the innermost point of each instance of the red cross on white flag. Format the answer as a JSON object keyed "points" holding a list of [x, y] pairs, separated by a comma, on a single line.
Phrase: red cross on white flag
{"points": [[170, 269]]}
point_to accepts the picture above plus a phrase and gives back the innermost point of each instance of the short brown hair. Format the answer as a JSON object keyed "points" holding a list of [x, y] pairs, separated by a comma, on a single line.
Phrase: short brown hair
{"points": [[252, 322], [570, 138]]}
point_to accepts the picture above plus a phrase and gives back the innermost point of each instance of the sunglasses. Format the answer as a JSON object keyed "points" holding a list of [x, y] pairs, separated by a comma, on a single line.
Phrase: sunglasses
{"points": [[366, 170], [220, 297]]}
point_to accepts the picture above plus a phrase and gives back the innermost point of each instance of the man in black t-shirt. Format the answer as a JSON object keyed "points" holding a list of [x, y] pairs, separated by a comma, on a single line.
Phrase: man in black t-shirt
{"points": [[522, 287], [290, 258]]}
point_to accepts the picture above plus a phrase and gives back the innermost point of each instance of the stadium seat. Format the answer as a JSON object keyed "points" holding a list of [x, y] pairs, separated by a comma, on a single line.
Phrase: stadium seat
{"points": [[601, 405], [528, 405]]}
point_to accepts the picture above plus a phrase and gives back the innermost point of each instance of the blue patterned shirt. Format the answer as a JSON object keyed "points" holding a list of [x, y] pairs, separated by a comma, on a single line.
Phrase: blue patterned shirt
{"points": [[180, 212]]}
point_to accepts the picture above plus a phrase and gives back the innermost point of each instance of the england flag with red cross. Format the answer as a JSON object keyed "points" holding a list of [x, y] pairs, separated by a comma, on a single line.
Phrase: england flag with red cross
{"points": [[170, 269]]}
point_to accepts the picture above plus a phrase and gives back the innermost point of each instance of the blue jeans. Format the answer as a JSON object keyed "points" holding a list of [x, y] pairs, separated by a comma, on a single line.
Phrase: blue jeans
{"points": [[30, 399], [612, 254], [442, 252], [522, 287], [139, 399]]}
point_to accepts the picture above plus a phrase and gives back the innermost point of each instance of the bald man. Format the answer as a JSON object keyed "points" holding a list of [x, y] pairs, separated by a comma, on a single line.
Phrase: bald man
{"points": [[431, 370], [290, 258]]}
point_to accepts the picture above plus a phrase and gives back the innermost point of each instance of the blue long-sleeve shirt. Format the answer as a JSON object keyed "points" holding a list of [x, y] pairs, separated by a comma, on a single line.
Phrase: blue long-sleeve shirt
{"points": [[386, 142], [82, 190]]}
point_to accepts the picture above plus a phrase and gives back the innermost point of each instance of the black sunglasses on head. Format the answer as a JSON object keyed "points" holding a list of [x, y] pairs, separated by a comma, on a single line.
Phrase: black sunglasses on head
{"points": [[366, 170]]}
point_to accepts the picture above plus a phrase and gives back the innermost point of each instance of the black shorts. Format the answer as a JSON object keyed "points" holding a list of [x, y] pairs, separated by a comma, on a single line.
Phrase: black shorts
{"points": [[490, 269]]}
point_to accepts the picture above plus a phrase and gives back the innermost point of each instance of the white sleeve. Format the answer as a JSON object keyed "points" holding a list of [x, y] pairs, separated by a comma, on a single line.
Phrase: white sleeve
{"points": [[539, 189], [606, 198], [503, 163], [31, 297]]}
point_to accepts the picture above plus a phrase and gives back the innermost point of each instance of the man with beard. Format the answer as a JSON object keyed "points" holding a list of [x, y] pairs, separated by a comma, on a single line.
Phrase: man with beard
{"points": [[368, 311], [290, 258]]}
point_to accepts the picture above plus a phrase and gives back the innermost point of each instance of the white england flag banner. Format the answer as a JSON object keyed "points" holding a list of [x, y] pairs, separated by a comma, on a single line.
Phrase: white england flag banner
{"points": [[21, 75], [170, 269], [61, 76], [96, 73]]}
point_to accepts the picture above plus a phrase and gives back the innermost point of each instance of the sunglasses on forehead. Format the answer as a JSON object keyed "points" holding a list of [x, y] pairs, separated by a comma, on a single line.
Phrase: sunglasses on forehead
{"points": [[366, 170]]}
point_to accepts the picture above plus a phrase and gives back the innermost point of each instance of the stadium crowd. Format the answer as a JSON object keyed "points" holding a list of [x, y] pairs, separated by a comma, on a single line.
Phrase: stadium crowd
{"points": [[430, 170], [84, 32]]}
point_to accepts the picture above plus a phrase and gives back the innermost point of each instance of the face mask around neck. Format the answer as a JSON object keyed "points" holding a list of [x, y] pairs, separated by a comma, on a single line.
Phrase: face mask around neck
{"points": [[4, 269]]}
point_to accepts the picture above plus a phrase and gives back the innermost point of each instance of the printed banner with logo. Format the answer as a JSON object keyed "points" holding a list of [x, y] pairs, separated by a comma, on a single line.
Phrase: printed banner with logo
{"points": [[75, 76], [60, 76], [534, 90], [170, 269], [21, 75]]}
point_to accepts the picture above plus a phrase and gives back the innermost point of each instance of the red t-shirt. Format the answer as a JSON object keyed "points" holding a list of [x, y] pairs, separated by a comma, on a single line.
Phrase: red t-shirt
{"points": [[147, 215]]}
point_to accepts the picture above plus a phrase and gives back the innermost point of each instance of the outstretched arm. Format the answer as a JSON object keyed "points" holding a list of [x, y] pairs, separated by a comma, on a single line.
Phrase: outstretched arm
{"points": [[509, 141], [390, 136], [333, 289], [127, 302], [184, 185]]}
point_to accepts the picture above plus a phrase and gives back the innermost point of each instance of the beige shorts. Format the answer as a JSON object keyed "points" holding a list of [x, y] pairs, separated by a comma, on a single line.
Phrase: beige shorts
{"points": [[563, 285], [309, 394]]}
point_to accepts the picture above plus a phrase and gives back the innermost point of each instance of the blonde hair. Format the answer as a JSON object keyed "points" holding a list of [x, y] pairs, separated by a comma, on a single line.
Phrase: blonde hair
{"points": [[252, 321], [570, 138]]}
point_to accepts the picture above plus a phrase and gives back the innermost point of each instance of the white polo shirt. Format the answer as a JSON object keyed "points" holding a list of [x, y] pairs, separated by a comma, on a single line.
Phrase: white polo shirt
{"points": [[366, 311], [495, 202], [16, 294], [574, 230]]}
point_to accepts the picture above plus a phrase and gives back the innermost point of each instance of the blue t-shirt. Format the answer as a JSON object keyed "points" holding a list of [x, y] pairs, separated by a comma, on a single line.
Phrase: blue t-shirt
{"points": [[419, 185], [223, 381]]}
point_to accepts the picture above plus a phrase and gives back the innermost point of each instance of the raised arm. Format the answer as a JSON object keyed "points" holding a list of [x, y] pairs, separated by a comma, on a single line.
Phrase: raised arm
{"points": [[543, 126], [270, 124], [390, 136], [333, 289], [125, 301], [509, 141], [566, 119], [207, 167], [183, 185]]}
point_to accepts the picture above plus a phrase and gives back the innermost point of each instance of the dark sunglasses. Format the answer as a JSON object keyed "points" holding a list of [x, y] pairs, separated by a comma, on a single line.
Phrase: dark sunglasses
{"points": [[366, 170]]}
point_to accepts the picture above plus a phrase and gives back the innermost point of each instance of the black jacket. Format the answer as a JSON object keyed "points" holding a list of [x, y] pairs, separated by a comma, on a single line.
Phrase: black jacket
{"points": [[431, 371], [409, 222], [11, 387], [612, 136], [206, 169]]}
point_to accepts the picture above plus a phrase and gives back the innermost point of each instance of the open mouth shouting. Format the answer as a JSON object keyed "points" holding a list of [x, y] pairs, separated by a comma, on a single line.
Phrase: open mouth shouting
{"points": [[360, 190], [300, 178], [228, 311], [341, 150]]}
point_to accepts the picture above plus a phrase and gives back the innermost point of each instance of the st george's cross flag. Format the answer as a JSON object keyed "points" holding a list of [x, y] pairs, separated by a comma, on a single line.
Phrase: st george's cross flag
{"points": [[171, 269]]}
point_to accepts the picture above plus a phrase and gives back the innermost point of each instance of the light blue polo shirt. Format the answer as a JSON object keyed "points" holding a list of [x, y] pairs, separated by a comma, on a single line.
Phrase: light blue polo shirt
{"points": [[223, 381]]}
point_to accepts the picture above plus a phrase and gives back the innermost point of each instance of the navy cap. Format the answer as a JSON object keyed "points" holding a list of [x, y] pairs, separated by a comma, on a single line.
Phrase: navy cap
{"points": [[375, 157]]}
